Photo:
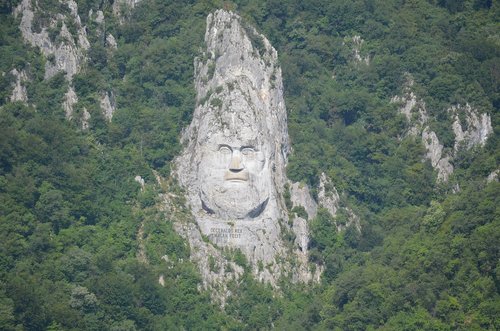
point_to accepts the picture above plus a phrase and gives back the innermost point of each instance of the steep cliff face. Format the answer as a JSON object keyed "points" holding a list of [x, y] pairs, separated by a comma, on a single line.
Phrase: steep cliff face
{"points": [[122, 8], [329, 198], [416, 114], [64, 51], [473, 130], [19, 92], [470, 127], [233, 166], [62, 39]]}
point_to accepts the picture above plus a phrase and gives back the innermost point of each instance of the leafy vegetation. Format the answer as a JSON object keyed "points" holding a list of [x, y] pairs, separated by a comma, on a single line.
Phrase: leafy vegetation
{"points": [[427, 257]]}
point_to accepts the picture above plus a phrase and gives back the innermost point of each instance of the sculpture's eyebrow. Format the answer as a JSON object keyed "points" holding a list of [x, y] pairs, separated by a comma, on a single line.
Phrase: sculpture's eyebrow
{"points": [[225, 145]]}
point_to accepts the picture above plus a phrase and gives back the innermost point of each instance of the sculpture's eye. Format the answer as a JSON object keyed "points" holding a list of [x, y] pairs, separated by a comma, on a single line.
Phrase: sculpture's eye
{"points": [[248, 151], [225, 149]]}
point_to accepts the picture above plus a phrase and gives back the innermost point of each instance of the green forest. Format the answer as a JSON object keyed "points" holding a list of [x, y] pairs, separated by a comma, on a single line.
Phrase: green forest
{"points": [[428, 254]]}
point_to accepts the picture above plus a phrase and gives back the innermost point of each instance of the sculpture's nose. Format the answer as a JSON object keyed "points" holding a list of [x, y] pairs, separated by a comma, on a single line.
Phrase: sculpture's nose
{"points": [[236, 165]]}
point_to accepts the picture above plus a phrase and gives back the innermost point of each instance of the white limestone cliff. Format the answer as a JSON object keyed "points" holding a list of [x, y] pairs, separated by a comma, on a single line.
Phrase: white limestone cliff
{"points": [[85, 119], [355, 44], [64, 51], [435, 154], [121, 8], [417, 116], [493, 176], [67, 52], [470, 126], [300, 196], [328, 198], [233, 164], [108, 105], [111, 42], [70, 99], [19, 92], [474, 130]]}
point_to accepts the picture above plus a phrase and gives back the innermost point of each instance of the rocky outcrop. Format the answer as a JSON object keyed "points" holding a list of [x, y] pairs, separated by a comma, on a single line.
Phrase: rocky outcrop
{"points": [[121, 8], [99, 18], [493, 176], [85, 119], [111, 42], [19, 92], [417, 117], [108, 105], [70, 99], [471, 128], [63, 51], [300, 196], [355, 44], [141, 182], [328, 198], [435, 154], [233, 164]]}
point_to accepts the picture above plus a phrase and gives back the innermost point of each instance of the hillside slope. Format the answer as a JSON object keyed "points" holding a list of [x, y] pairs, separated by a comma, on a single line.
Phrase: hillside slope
{"points": [[395, 102]]}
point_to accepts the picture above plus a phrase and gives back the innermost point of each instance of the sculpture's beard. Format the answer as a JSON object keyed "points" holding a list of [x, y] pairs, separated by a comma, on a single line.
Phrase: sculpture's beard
{"points": [[234, 200]]}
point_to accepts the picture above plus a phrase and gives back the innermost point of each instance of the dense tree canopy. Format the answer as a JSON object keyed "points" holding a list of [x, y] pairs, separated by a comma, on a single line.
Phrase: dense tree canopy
{"points": [[427, 257]]}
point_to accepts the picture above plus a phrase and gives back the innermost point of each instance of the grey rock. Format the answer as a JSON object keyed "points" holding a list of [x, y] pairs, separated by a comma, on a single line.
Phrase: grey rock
{"points": [[355, 44], [111, 41], [141, 182], [85, 119], [70, 99], [122, 8], [233, 163], [19, 92], [108, 105], [99, 17], [65, 54], [300, 196], [493, 176], [477, 126], [473, 130], [328, 198], [435, 154], [416, 114]]}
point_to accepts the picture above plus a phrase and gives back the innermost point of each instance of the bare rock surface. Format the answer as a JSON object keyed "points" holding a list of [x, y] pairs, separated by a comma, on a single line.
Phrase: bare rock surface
{"points": [[416, 114], [434, 149], [300, 196], [108, 105], [65, 53], [493, 176], [70, 99], [473, 130], [85, 119], [233, 164], [328, 198], [470, 127], [19, 92], [121, 8], [355, 44]]}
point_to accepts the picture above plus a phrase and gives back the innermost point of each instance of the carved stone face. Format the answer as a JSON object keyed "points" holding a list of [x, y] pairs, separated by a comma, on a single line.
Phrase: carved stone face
{"points": [[234, 175]]}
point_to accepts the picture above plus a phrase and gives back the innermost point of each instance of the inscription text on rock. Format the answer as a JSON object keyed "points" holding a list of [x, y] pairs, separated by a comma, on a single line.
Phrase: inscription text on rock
{"points": [[222, 234]]}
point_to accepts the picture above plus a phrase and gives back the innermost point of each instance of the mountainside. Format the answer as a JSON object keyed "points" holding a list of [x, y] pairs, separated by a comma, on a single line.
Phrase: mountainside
{"points": [[389, 199]]}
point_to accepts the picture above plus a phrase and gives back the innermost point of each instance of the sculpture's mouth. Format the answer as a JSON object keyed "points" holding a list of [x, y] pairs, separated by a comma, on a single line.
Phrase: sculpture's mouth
{"points": [[241, 176]]}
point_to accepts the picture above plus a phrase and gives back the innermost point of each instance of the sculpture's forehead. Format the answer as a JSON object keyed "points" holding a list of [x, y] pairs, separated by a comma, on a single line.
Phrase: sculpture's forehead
{"points": [[234, 139]]}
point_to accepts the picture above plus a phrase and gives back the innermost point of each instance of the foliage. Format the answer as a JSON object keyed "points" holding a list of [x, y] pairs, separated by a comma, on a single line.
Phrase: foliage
{"points": [[425, 259]]}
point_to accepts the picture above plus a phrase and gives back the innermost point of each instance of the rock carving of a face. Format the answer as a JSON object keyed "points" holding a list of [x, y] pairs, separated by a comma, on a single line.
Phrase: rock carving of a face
{"points": [[233, 174], [234, 160]]}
